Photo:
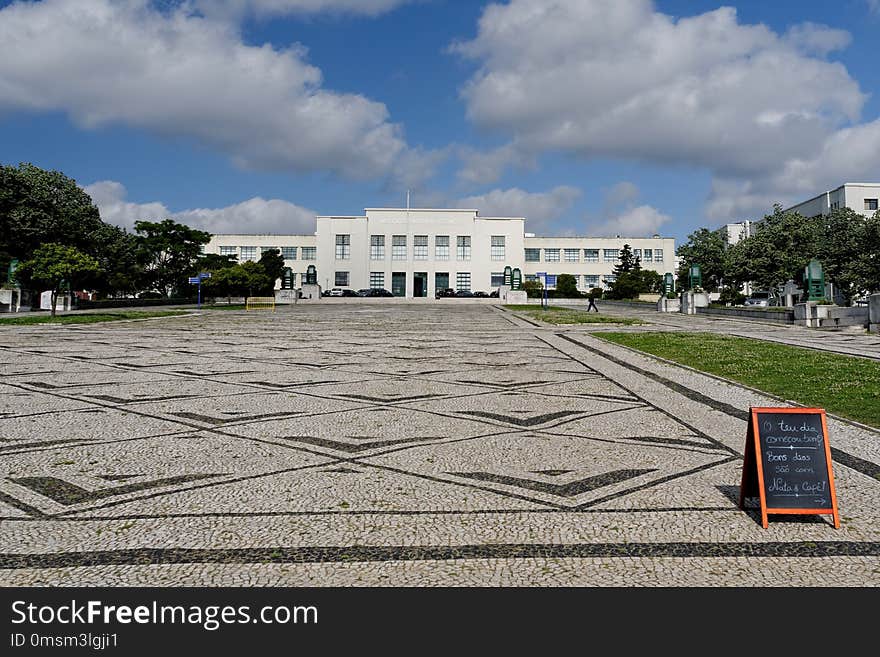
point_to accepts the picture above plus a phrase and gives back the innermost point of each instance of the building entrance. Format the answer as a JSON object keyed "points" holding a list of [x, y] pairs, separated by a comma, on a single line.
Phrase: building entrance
{"points": [[420, 284]]}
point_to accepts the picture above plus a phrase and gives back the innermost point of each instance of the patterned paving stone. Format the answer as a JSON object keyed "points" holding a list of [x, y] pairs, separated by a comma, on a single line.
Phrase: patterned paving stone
{"points": [[393, 445]]}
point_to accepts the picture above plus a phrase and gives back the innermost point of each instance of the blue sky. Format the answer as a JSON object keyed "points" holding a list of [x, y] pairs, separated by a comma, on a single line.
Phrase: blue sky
{"points": [[585, 116]]}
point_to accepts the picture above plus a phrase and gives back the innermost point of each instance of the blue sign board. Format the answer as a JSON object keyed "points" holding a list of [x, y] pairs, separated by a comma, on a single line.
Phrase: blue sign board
{"points": [[194, 279], [550, 281]]}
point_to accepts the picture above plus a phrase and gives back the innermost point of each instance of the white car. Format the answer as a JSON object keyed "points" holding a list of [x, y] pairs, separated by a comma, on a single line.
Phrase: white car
{"points": [[335, 292]]}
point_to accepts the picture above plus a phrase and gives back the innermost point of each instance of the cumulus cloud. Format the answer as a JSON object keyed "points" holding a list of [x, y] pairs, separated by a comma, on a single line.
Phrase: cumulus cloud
{"points": [[603, 78], [641, 221], [177, 73], [256, 215], [540, 209], [263, 8], [621, 216], [485, 167]]}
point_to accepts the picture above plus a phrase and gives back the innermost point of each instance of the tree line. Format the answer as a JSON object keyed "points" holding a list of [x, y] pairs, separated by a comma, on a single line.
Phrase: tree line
{"points": [[51, 228], [846, 243]]}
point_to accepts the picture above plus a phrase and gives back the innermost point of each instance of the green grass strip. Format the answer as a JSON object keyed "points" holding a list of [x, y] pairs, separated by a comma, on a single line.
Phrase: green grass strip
{"points": [[558, 315], [89, 318], [844, 385]]}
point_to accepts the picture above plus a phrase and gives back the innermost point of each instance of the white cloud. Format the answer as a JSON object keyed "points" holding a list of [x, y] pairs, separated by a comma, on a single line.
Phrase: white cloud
{"points": [[603, 78], [256, 215], [641, 221], [540, 209], [623, 193], [262, 8], [485, 167], [874, 6], [178, 74]]}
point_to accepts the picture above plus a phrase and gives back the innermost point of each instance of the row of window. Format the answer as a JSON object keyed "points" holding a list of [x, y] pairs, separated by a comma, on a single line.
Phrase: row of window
{"points": [[246, 253], [420, 247], [591, 255], [586, 282], [441, 280]]}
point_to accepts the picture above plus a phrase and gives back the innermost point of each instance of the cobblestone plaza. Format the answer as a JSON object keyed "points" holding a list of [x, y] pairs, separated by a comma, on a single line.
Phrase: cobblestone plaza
{"points": [[384, 444]]}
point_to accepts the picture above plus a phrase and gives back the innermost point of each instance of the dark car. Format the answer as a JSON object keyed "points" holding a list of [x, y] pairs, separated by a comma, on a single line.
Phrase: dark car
{"points": [[494, 294], [349, 293], [481, 294], [464, 293], [379, 292], [364, 292], [445, 292]]}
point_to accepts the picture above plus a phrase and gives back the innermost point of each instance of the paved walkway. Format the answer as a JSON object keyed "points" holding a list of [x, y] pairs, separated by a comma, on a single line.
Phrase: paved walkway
{"points": [[391, 444]]}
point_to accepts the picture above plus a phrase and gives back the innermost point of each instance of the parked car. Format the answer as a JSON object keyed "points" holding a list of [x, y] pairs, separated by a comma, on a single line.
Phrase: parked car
{"points": [[335, 292], [445, 292], [364, 292], [481, 294], [493, 294], [380, 292], [349, 293], [761, 299], [464, 293]]}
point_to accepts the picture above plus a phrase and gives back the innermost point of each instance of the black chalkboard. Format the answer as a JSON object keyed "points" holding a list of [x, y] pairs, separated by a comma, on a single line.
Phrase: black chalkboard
{"points": [[787, 462]]}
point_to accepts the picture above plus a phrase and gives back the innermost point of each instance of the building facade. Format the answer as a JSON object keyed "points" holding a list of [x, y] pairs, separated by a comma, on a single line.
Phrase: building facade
{"points": [[415, 252], [863, 198]]}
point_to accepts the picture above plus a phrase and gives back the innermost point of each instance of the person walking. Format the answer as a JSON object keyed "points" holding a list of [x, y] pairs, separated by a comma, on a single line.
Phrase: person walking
{"points": [[592, 304]]}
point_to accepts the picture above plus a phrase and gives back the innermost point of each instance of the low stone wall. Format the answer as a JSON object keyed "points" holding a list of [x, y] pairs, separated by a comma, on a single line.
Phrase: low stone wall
{"points": [[784, 317]]}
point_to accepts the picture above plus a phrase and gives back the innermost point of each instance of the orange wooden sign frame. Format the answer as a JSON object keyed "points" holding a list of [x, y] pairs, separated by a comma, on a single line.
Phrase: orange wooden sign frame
{"points": [[753, 468]]}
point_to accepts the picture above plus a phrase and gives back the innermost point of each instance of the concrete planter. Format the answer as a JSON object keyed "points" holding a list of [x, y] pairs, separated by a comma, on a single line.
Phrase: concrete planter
{"points": [[874, 313]]}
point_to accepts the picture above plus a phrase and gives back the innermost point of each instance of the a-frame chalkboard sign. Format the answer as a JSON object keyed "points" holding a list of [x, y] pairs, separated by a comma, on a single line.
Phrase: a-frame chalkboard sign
{"points": [[787, 463]]}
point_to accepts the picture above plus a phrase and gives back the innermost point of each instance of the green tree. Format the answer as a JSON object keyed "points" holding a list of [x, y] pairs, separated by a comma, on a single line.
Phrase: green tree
{"points": [[53, 265], [566, 287], [248, 279], [273, 264], [534, 289], [39, 206], [842, 250], [706, 248], [628, 276], [866, 270], [782, 245], [168, 252]]}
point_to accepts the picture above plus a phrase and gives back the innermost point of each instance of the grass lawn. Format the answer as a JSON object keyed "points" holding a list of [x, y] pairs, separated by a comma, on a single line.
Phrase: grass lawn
{"points": [[559, 315], [90, 318], [223, 306], [844, 385]]}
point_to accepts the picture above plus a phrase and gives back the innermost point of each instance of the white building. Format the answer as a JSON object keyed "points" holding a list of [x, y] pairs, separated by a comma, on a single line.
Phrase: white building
{"points": [[860, 197], [415, 252]]}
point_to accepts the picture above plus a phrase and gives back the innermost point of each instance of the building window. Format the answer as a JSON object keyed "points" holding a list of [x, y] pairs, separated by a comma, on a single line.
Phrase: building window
{"points": [[293, 279], [229, 250], [441, 247], [591, 255], [531, 278], [497, 279], [343, 247], [572, 255], [649, 255], [309, 252], [611, 255], [591, 281], [871, 204], [610, 279], [463, 280], [497, 248], [398, 283], [533, 255], [658, 255], [377, 247], [377, 280], [638, 253], [420, 247], [341, 279], [398, 247], [288, 252], [248, 253], [551, 255], [463, 249]]}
